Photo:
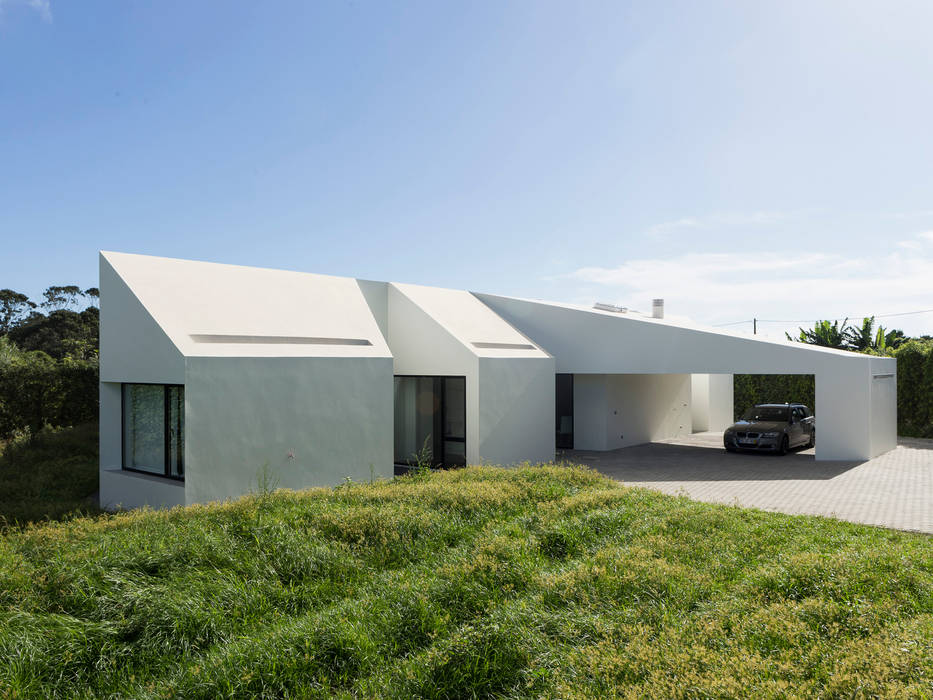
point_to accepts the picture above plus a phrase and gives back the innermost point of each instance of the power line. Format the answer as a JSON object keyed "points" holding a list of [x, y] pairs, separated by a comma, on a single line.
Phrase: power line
{"points": [[816, 320], [731, 323]]}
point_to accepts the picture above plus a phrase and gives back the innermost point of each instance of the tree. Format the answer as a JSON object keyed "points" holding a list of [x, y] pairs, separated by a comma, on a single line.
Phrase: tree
{"points": [[93, 294], [61, 297], [894, 339], [824, 334], [62, 332], [13, 306], [9, 353], [863, 337]]}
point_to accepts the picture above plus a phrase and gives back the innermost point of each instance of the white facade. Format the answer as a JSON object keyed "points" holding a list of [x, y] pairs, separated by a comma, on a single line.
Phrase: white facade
{"points": [[288, 377]]}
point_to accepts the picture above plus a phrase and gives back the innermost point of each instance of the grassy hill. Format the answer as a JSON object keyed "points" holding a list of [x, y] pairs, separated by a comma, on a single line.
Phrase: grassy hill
{"points": [[540, 581]]}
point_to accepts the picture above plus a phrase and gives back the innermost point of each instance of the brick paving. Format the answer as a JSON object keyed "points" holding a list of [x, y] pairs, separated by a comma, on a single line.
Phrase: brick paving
{"points": [[893, 490]]}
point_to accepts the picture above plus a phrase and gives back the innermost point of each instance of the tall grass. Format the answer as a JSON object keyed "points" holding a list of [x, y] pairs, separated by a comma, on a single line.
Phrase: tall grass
{"points": [[534, 582]]}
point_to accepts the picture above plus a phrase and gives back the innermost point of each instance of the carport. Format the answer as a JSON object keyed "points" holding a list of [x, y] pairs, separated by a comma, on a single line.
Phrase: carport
{"points": [[637, 379]]}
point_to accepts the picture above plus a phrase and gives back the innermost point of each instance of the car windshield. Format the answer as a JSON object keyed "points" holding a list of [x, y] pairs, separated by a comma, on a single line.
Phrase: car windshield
{"points": [[762, 413]]}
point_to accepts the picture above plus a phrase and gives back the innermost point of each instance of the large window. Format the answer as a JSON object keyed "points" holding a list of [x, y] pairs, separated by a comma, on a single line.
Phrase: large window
{"points": [[430, 421], [154, 429]]}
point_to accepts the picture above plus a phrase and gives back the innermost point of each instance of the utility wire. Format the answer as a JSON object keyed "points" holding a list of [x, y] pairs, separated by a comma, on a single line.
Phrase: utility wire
{"points": [[815, 320]]}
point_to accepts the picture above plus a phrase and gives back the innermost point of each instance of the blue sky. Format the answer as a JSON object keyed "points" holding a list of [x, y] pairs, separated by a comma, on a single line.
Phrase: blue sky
{"points": [[770, 159]]}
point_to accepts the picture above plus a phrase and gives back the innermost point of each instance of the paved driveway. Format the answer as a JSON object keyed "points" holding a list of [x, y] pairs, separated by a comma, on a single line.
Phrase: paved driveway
{"points": [[894, 490]]}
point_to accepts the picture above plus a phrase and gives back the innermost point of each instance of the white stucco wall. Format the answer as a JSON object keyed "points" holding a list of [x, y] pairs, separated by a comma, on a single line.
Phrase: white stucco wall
{"points": [[647, 407], [376, 295], [621, 410], [589, 411], [516, 410], [111, 423], [245, 414], [133, 346], [127, 490], [883, 406]]}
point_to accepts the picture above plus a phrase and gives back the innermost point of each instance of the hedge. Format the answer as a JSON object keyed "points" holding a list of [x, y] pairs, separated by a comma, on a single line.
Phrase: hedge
{"points": [[39, 391], [915, 389], [752, 389]]}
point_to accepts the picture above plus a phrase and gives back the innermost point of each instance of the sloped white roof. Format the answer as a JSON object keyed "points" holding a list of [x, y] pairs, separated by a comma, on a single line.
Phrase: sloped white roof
{"points": [[472, 322], [636, 318], [585, 340], [215, 310]]}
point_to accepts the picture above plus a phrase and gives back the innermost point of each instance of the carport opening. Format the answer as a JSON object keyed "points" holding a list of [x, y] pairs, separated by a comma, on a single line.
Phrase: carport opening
{"points": [[753, 389]]}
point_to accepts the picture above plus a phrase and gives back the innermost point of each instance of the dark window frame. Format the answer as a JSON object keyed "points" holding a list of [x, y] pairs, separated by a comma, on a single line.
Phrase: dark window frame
{"points": [[442, 419], [166, 432]]}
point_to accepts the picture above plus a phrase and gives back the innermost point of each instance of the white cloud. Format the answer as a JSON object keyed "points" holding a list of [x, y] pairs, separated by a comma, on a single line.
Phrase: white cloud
{"points": [[43, 7], [723, 220], [917, 242], [918, 213], [776, 284]]}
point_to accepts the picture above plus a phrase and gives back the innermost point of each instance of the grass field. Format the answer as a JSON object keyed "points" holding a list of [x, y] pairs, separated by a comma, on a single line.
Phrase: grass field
{"points": [[535, 582], [48, 475]]}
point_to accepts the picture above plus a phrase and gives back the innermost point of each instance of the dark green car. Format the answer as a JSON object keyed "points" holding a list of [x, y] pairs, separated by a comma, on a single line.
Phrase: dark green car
{"points": [[772, 427]]}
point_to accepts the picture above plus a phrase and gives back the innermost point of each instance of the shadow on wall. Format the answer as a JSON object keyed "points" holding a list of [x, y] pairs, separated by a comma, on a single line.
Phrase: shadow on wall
{"points": [[658, 462]]}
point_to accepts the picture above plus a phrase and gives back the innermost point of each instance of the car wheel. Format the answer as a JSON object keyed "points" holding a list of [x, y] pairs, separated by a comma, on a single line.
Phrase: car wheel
{"points": [[785, 444], [812, 442], [730, 448]]}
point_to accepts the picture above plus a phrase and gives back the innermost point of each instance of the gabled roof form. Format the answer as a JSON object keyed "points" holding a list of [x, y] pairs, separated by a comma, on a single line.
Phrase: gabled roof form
{"points": [[215, 310], [483, 332]]}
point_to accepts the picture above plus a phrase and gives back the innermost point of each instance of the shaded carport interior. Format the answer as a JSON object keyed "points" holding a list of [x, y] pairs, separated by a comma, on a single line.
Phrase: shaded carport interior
{"points": [[855, 394]]}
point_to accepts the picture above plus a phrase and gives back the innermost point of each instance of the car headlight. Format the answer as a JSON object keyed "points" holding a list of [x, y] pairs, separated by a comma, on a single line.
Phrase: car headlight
{"points": [[770, 434]]}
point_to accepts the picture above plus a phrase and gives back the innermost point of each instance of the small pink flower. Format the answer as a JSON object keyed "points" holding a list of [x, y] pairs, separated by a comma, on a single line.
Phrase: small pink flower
{"points": [[290, 454]]}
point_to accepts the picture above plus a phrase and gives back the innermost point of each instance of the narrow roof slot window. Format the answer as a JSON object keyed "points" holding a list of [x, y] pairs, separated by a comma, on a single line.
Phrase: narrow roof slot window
{"points": [[274, 340], [504, 346]]}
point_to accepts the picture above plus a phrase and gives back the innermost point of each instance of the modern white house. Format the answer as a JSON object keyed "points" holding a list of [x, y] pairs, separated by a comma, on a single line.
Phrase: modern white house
{"points": [[214, 377]]}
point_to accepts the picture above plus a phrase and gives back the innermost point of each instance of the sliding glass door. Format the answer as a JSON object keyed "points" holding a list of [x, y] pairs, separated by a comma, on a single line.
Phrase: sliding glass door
{"points": [[430, 421]]}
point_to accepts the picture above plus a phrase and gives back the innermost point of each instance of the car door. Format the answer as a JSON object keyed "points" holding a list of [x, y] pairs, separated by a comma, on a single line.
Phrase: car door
{"points": [[795, 432], [807, 422]]}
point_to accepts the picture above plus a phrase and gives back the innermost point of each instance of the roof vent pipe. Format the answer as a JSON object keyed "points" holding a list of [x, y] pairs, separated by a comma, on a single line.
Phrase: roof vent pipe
{"points": [[657, 308]]}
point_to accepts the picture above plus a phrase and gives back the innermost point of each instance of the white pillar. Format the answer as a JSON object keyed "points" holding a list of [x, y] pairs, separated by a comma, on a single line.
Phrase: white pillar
{"points": [[721, 397], [711, 401], [699, 402]]}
